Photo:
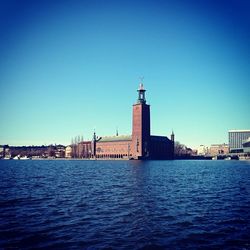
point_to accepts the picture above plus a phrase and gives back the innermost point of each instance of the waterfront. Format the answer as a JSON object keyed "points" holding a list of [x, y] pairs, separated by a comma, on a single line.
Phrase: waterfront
{"points": [[124, 204]]}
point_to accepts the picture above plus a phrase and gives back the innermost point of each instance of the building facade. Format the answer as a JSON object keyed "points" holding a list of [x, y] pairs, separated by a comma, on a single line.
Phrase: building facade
{"points": [[219, 149], [246, 146], [236, 138], [140, 145], [202, 150], [114, 147], [5, 151], [68, 152]]}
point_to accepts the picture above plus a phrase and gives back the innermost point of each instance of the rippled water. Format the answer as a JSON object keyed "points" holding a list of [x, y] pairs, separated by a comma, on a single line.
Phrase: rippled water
{"points": [[124, 204]]}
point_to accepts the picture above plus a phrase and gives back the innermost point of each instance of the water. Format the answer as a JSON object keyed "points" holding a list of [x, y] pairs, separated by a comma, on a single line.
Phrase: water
{"points": [[124, 204]]}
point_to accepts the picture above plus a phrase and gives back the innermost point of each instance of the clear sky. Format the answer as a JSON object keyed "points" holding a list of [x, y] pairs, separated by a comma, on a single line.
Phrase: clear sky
{"points": [[69, 67]]}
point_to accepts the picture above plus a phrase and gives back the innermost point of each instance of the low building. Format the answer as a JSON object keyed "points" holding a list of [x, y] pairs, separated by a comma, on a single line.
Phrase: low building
{"points": [[5, 151], [59, 151], [68, 152], [219, 149], [202, 150], [2, 151]]}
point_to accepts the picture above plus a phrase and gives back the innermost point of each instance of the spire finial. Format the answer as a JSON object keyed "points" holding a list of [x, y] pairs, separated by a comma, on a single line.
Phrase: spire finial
{"points": [[141, 79], [172, 135], [141, 83]]}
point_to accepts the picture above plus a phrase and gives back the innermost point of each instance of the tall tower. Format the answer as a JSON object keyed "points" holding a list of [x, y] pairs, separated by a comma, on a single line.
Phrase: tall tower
{"points": [[173, 145], [141, 126]]}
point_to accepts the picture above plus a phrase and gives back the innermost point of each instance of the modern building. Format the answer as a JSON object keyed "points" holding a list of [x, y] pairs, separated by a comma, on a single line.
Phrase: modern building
{"points": [[246, 146], [140, 145], [219, 149], [236, 138]]}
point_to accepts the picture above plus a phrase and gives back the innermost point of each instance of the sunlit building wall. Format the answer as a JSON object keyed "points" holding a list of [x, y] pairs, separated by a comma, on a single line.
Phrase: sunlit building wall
{"points": [[246, 146]]}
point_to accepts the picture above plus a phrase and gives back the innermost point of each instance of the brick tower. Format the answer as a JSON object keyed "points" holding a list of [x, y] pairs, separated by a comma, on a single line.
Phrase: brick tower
{"points": [[141, 126]]}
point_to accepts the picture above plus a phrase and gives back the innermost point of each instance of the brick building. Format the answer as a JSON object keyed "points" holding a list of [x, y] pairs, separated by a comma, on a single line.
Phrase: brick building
{"points": [[219, 149], [140, 145]]}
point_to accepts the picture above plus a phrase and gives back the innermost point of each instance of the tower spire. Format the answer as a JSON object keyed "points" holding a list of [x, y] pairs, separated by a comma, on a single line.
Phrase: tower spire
{"points": [[172, 135]]}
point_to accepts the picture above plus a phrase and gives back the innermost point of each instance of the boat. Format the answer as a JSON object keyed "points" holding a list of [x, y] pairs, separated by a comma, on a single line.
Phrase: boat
{"points": [[7, 158], [24, 158]]}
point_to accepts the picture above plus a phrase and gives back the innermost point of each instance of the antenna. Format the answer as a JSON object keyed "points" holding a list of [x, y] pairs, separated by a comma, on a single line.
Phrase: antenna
{"points": [[141, 78]]}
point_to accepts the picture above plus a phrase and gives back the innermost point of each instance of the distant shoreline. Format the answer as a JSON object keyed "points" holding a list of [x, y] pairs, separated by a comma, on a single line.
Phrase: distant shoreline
{"points": [[120, 159]]}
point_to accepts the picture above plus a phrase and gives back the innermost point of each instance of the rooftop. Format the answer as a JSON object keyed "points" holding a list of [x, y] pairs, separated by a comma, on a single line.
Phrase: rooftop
{"points": [[239, 130], [115, 138], [159, 138]]}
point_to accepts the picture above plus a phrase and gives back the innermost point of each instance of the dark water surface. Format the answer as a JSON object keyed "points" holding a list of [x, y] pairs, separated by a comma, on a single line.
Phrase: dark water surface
{"points": [[124, 204]]}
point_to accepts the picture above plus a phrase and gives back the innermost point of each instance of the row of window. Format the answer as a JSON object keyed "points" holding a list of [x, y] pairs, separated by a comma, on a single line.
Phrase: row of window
{"points": [[236, 139], [113, 156], [102, 150]]}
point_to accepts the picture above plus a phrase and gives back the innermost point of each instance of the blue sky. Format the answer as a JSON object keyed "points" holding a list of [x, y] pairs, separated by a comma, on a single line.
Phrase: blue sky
{"points": [[69, 67]]}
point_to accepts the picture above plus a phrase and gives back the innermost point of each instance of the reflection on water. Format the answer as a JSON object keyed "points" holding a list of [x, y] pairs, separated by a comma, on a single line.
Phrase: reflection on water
{"points": [[124, 204]]}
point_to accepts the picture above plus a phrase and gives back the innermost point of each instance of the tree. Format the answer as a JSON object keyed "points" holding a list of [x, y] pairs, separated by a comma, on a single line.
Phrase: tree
{"points": [[179, 149]]}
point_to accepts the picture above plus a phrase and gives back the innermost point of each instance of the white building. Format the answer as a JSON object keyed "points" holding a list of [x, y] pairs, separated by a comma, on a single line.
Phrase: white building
{"points": [[202, 150], [68, 152]]}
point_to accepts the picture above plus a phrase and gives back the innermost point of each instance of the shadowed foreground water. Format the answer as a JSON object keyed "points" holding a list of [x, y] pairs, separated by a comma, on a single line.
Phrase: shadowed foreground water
{"points": [[124, 204]]}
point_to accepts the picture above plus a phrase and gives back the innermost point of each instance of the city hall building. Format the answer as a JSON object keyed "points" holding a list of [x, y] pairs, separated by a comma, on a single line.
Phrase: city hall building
{"points": [[140, 145]]}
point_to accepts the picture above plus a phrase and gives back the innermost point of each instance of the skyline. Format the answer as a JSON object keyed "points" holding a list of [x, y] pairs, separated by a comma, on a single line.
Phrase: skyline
{"points": [[68, 68]]}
